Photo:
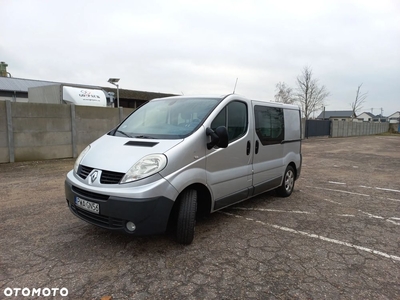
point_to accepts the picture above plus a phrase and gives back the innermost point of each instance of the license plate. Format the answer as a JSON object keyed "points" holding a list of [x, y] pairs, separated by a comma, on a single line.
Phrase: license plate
{"points": [[87, 205]]}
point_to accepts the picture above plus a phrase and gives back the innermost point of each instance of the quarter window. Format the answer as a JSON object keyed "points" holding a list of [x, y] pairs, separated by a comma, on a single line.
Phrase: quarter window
{"points": [[270, 127], [234, 118]]}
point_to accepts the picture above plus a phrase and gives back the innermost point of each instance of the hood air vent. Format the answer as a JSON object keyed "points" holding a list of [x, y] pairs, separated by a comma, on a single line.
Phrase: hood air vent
{"points": [[141, 144]]}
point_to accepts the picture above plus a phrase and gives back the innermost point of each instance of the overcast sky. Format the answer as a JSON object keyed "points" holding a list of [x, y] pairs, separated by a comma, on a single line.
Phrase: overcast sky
{"points": [[201, 47]]}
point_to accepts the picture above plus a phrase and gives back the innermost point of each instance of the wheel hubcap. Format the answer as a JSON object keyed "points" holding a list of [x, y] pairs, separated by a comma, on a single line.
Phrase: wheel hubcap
{"points": [[289, 180]]}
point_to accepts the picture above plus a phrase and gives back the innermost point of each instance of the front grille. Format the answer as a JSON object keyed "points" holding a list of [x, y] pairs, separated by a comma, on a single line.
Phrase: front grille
{"points": [[103, 221], [107, 177], [89, 194], [84, 171]]}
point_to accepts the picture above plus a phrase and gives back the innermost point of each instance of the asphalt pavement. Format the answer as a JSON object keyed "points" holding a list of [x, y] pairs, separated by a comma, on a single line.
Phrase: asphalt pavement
{"points": [[336, 237]]}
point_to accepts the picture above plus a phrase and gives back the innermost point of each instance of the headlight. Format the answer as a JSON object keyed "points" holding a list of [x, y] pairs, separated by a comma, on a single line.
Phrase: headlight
{"points": [[80, 157], [145, 167]]}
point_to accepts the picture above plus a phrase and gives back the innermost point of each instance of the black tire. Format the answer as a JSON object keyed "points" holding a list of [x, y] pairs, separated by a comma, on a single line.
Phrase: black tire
{"points": [[186, 219], [286, 189]]}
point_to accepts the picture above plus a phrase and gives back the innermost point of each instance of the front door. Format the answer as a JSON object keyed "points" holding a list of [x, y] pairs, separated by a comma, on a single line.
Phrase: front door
{"points": [[229, 170]]}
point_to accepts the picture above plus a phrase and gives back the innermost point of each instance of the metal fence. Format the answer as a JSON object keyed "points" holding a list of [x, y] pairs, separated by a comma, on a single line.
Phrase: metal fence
{"points": [[317, 128]]}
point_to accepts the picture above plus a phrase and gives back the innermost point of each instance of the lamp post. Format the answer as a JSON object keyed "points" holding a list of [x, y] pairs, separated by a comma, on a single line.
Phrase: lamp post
{"points": [[114, 81]]}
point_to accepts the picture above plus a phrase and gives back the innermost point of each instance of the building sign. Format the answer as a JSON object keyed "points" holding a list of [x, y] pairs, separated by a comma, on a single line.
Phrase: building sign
{"points": [[83, 96]]}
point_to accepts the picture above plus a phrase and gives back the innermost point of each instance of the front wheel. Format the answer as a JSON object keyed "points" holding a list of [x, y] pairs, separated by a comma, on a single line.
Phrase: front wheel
{"points": [[186, 220], [286, 189]]}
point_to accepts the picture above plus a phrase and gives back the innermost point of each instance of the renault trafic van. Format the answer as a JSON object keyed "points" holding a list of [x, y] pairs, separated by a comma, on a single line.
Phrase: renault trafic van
{"points": [[176, 157]]}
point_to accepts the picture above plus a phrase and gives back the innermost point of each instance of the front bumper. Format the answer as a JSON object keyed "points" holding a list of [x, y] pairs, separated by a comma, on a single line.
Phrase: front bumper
{"points": [[149, 214]]}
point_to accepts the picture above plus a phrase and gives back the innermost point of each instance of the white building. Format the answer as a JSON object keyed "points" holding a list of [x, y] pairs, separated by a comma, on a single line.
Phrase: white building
{"points": [[366, 117], [395, 117]]}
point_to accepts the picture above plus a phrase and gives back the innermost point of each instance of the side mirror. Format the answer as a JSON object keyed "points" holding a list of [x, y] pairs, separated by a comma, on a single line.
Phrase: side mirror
{"points": [[218, 138]]}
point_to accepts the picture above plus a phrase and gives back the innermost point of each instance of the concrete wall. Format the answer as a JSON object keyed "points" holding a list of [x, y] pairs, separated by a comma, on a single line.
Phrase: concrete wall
{"points": [[37, 131], [93, 122], [343, 129], [41, 131], [4, 153]]}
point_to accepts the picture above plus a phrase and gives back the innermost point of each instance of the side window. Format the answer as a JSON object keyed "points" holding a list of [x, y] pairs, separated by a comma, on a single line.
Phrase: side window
{"points": [[270, 127], [234, 118]]}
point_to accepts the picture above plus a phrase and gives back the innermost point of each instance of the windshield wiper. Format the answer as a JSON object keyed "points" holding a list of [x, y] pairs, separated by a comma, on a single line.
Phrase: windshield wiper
{"points": [[124, 133], [144, 137]]}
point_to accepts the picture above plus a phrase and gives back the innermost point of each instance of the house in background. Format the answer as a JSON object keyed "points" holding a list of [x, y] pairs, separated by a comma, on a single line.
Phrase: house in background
{"points": [[394, 118], [369, 117], [366, 117], [347, 115], [336, 115], [380, 119]]}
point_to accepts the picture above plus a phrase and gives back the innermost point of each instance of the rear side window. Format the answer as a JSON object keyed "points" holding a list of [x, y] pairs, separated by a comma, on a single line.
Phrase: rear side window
{"points": [[292, 124], [270, 127], [234, 118]]}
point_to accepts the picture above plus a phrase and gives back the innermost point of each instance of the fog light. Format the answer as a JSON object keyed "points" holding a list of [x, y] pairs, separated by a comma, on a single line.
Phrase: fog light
{"points": [[130, 226]]}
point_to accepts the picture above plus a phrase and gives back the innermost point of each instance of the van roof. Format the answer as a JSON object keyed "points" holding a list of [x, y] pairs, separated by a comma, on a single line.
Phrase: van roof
{"points": [[220, 97], [277, 104], [192, 97]]}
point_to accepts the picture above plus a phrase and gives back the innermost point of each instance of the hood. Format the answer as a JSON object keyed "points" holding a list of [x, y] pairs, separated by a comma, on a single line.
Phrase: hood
{"points": [[119, 154]]}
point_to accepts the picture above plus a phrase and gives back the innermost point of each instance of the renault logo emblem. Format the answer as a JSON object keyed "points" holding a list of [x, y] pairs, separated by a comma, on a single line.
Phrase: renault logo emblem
{"points": [[93, 176]]}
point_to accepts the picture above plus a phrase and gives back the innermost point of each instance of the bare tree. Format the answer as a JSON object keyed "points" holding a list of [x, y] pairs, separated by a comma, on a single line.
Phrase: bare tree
{"points": [[310, 95], [284, 93], [358, 102]]}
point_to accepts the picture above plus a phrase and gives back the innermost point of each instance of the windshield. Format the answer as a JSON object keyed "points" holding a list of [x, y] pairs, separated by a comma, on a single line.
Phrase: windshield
{"points": [[168, 118]]}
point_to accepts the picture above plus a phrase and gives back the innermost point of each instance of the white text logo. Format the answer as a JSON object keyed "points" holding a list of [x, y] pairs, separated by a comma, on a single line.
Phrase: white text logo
{"points": [[27, 292]]}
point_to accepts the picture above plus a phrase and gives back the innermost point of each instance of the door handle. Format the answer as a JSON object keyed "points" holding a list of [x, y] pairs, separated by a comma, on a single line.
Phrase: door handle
{"points": [[257, 145], [248, 148]]}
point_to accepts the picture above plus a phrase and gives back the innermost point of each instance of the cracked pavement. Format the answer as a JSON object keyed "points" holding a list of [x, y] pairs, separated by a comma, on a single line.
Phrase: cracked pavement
{"points": [[336, 237]]}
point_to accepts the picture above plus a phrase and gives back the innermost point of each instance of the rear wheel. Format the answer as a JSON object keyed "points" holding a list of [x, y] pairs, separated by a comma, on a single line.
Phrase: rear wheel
{"points": [[286, 189], [186, 219]]}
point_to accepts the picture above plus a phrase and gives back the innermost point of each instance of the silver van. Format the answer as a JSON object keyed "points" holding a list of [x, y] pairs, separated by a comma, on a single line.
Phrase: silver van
{"points": [[174, 158]]}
